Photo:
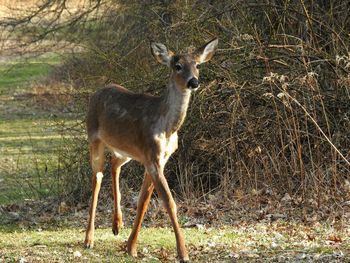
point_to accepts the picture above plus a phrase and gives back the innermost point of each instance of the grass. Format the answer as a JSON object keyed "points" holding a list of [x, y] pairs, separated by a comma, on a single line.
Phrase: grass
{"points": [[59, 245], [259, 242], [15, 75], [28, 158], [29, 139]]}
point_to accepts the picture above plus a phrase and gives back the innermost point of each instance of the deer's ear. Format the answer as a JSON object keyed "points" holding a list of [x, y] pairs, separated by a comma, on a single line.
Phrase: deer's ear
{"points": [[161, 53], [206, 52]]}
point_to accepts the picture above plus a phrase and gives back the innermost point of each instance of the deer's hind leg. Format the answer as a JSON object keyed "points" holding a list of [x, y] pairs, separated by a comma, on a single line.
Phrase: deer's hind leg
{"points": [[116, 164], [97, 162]]}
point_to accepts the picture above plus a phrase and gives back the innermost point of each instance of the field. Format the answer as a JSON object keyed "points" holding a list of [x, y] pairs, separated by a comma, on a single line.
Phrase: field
{"points": [[28, 129]]}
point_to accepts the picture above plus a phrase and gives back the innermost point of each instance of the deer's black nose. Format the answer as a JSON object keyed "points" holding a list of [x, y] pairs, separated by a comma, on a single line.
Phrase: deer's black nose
{"points": [[193, 83]]}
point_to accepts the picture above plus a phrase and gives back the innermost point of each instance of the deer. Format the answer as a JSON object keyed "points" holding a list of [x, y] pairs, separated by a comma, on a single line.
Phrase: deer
{"points": [[142, 127]]}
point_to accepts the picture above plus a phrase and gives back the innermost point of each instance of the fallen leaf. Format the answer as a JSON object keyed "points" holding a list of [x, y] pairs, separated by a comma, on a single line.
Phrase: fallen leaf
{"points": [[310, 237], [286, 198], [335, 239]]}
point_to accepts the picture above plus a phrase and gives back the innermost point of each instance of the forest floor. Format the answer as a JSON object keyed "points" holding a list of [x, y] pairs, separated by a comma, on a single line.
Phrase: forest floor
{"points": [[38, 232]]}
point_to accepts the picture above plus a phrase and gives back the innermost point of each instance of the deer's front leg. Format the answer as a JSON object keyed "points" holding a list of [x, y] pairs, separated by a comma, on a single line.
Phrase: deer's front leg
{"points": [[162, 188], [144, 198]]}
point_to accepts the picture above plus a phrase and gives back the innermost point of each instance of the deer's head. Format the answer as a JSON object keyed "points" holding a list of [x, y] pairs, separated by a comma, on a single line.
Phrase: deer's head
{"points": [[184, 67]]}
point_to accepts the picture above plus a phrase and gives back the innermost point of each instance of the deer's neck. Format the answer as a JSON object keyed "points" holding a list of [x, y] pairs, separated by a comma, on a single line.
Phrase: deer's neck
{"points": [[174, 107]]}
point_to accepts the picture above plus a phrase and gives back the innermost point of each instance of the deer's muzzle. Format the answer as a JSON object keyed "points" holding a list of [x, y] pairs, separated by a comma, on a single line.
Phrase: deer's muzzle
{"points": [[193, 83]]}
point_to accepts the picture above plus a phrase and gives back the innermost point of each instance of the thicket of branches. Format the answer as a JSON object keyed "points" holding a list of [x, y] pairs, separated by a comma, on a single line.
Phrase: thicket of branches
{"points": [[273, 113]]}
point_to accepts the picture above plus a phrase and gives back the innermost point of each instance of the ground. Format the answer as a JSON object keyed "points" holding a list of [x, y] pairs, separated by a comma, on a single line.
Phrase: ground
{"points": [[60, 239]]}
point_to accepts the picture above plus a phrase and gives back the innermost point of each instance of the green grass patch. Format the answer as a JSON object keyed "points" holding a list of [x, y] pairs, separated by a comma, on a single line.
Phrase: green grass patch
{"points": [[21, 73], [29, 156], [16, 74], [155, 245]]}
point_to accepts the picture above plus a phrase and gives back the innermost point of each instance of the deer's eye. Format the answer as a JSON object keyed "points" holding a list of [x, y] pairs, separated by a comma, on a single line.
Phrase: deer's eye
{"points": [[197, 66], [178, 67]]}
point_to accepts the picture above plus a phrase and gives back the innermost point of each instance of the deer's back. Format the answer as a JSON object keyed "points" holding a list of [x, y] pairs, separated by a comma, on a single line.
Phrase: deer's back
{"points": [[120, 117]]}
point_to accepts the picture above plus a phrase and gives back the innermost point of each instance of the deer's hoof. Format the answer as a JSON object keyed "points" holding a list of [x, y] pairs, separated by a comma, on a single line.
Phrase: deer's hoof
{"points": [[115, 231], [132, 251], [184, 261], [117, 225], [89, 244]]}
